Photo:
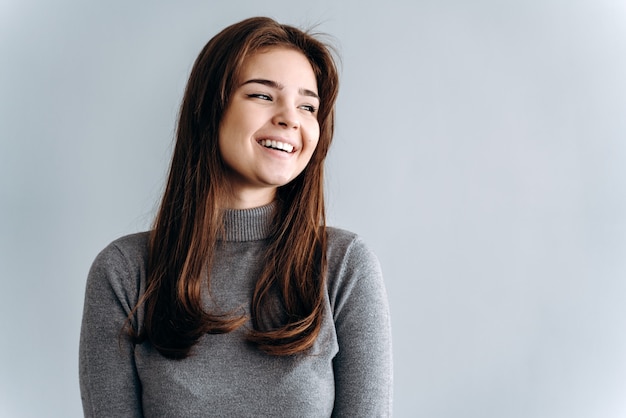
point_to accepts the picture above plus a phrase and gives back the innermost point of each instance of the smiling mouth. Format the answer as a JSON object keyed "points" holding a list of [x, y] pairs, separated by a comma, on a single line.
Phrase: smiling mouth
{"points": [[277, 145]]}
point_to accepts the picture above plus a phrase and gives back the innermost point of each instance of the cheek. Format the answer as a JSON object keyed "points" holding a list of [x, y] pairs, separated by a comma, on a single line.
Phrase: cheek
{"points": [[311, 146], [226, 145], [221, 142], [230, 133], [315, 144], [313, 136]]}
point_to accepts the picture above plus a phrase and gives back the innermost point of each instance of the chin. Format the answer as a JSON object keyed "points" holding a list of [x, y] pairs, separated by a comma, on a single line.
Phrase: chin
{"points": [[279, 181]]}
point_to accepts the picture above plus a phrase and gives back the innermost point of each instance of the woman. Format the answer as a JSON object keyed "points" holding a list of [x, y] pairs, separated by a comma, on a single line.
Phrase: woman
{"points": [[240, 301]]}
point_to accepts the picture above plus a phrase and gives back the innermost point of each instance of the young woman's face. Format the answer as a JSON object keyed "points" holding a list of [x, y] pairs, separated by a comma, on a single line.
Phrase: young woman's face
{"points": [[269, 129]]}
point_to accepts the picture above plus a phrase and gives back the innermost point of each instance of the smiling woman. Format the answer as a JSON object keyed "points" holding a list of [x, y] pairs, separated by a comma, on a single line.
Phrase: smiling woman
{"points": [[270, 129], [241, 301]]}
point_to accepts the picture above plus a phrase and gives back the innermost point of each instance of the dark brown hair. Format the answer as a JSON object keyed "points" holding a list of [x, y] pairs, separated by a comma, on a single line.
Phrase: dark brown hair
{"points": [[189, 222]]}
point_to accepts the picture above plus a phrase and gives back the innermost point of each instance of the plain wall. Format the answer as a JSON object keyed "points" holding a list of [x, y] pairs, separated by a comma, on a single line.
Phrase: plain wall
{"points": [[480, 150]]}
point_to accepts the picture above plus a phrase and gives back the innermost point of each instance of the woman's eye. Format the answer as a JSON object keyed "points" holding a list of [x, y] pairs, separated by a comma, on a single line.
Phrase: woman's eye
{"points": [[308, 108], [260, 96]]}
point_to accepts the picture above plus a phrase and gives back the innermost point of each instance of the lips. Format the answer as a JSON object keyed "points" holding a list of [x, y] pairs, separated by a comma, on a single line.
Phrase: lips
{"points": [[277, 145]]}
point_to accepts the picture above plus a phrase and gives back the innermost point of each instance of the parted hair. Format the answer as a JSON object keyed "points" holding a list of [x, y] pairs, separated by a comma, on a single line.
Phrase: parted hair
{"points": [[287, 304]]}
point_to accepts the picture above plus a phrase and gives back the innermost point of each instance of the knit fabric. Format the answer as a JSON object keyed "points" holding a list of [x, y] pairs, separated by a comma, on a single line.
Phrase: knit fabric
{"points": [[347, 373]]}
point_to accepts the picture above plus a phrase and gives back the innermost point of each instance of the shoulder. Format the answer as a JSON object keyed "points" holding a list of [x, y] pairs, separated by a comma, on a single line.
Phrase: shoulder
{"points": [[131, 247], [353, 268], [122, 263], [115, 282], [345, 247], [356, 290]]}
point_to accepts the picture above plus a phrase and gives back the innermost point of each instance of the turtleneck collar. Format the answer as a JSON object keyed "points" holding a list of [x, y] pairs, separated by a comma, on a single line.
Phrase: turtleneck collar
{"points": [[248, 224]]}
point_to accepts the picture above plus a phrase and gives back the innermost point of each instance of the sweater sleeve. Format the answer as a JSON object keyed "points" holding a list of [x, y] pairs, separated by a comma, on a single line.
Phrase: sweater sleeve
{"points": [[108, 378], [363, 366]]}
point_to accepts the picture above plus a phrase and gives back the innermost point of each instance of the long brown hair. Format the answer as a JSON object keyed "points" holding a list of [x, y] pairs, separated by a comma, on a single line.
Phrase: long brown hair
{"points": [[189, 222]]}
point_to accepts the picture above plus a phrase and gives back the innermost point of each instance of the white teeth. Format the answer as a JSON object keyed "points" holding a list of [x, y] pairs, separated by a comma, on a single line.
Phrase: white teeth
{"points": [[276, 145]]}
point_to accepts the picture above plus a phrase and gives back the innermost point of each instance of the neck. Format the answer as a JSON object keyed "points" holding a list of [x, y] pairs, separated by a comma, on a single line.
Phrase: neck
{"points": [[250, 198], [249, 224]]}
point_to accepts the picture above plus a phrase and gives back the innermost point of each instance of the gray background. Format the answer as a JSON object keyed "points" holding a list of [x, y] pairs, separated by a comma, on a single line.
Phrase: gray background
{"points": [[480, 150]]}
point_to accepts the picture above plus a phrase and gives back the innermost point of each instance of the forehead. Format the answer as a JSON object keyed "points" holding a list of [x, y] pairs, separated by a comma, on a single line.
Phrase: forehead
{"points": [[286, 66]]}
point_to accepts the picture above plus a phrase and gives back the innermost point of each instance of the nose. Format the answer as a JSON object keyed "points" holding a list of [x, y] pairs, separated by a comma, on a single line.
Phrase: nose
{"points": [[286, 118]]}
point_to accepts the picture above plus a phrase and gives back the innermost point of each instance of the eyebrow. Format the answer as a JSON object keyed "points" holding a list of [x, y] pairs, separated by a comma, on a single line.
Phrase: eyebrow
{"points": [[278, 86]]}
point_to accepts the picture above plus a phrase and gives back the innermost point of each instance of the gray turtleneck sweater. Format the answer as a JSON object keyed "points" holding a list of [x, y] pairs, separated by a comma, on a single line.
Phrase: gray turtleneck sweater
{"points": [[348, 372]]}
